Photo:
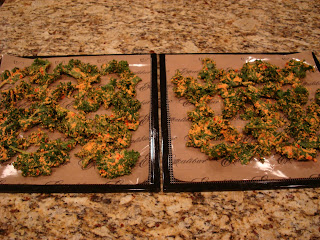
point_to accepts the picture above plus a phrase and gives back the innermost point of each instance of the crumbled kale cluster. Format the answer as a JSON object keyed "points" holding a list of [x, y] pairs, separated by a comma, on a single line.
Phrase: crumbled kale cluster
{"points": [[272, 101], [33, 100]]}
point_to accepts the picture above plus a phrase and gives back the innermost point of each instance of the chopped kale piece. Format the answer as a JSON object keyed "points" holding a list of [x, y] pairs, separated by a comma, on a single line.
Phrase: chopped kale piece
{"points": [[49, 155], [83, 72], [11, 77], [117, 164]]}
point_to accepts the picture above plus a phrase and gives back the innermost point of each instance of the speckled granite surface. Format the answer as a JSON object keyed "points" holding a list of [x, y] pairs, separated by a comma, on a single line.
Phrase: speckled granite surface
{"points": [[51, 27], [288, 214]]}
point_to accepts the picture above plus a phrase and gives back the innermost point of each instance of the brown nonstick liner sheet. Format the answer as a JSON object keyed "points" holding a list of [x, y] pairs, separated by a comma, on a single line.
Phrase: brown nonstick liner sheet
{"points": [[71, 174], [187, 166]]}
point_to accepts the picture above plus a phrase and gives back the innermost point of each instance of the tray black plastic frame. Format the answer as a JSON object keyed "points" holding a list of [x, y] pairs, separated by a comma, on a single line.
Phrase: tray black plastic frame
{"points": [[180, 186], [153, 185]]}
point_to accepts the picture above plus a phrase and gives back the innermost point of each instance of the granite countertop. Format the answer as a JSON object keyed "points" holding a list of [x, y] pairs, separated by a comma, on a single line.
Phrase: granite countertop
{"points": [[48, 27]]}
